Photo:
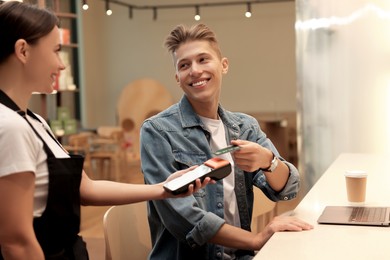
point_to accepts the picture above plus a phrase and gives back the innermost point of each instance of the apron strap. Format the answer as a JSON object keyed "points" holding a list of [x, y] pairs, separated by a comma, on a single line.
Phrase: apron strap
{"points": [[8, 102]]}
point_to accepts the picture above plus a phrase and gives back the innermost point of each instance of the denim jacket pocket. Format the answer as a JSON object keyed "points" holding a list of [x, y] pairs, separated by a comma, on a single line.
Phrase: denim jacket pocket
{"points": [[187, 159]]}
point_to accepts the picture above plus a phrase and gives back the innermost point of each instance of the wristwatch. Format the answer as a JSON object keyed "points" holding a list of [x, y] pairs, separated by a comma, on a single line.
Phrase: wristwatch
{"points": [[272, 167]]}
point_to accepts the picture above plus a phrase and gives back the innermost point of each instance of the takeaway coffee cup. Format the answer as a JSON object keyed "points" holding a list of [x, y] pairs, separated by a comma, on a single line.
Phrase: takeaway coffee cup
{"points": [[356, 182]]}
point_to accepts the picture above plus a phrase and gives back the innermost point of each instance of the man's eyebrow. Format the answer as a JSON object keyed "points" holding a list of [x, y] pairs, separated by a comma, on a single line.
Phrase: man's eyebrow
{"points": [[197, 55]]}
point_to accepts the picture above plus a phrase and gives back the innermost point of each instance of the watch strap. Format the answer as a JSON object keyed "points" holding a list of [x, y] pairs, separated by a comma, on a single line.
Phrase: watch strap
{"points": [[272, 167]]}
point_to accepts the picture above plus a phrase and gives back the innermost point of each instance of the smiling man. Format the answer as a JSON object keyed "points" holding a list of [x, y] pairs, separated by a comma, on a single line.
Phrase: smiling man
{"points": [[215, 222]]}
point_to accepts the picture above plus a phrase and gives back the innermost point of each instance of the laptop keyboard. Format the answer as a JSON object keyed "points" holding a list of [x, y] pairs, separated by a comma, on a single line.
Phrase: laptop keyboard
{"points": [[363, 214]]}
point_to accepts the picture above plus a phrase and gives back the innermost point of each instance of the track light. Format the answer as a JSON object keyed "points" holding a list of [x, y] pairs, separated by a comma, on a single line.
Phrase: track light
{"points": [[197, 15], [131, 12], [85, 5], [197, 6], [108, 10], [248, 12], [154, 13]]}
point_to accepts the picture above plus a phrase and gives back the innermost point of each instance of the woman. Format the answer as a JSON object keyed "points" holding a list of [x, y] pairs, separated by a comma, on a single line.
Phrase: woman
{"points": [[41, 185]]}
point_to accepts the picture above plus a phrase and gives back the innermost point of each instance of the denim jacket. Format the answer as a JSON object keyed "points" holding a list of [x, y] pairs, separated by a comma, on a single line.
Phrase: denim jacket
{"points": [[176, 139]]}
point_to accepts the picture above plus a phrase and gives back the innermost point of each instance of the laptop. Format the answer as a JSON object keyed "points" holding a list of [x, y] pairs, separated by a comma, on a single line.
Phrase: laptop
{"points": [[355, 215]]}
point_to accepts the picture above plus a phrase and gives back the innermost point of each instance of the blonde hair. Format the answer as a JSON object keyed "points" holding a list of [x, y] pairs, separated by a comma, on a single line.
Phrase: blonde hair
{"points": [[198, 32]]}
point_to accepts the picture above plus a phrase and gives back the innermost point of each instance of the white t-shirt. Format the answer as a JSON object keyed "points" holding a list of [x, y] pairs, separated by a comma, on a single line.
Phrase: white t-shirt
{"points": [[218, 141], [21, 150]]}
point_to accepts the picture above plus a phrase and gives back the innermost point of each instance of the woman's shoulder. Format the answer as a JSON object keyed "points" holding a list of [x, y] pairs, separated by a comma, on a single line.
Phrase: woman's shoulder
{"points": [[11, 120], [12, 125]]}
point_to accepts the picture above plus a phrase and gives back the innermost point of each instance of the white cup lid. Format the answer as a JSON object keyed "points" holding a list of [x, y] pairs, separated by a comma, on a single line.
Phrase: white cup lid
{"points": [[356, 173]]}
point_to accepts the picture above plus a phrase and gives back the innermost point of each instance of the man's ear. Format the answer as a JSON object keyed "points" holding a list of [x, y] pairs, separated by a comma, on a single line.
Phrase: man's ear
{"points": [[21, 50], [225, 65], [177, 79]]}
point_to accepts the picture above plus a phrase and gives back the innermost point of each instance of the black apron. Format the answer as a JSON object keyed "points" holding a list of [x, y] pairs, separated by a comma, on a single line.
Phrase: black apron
{"points": [[58, 227]]}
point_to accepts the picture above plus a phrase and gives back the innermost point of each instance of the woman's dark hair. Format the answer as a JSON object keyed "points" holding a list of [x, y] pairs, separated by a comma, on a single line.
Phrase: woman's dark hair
{"points": [[22, 21]]}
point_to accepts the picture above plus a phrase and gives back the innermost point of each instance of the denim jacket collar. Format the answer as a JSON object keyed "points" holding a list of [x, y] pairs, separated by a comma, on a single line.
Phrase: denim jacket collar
{"points": [[189, 118]]}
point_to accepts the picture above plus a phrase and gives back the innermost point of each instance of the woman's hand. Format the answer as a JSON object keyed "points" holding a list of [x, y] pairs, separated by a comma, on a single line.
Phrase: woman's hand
{"points": [[191, 188]]}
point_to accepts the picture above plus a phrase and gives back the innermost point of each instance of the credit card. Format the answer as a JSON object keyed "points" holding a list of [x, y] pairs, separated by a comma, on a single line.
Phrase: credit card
{"points": [[228, 149]]}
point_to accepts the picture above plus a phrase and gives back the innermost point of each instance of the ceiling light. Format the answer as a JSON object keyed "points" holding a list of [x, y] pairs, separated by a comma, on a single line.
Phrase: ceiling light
{"points": [[197, 15], [85, 5], [248, 12], [108, 10]]}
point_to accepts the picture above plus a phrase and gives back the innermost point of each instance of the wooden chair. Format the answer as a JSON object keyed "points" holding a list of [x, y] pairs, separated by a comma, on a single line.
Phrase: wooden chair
{"points": [[126, 232], [263, 210], [80, 144], [106, 154]]}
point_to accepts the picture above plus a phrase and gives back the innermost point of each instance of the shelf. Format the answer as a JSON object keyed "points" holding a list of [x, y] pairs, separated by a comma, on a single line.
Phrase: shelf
{"points": [[66, 15]]}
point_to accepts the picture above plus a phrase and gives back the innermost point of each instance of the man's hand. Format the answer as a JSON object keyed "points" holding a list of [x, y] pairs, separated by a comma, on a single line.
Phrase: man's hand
{"points": [[251, 156], [278, 224]]}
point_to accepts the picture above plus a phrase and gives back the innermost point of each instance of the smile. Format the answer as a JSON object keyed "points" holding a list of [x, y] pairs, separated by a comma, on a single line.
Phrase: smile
{"points": [[199, 83]]}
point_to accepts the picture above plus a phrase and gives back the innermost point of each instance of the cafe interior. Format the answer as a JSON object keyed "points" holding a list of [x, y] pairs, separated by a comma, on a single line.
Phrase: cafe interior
{"points": [[314, 73]]}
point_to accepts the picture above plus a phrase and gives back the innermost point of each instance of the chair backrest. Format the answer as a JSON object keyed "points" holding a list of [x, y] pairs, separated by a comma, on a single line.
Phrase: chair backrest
{"points": [[126, 232], [79, 143], [140, 98]]}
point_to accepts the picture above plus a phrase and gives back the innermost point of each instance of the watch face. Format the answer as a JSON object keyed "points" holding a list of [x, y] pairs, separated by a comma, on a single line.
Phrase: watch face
{"points": [[274, 164], [272, 167]]}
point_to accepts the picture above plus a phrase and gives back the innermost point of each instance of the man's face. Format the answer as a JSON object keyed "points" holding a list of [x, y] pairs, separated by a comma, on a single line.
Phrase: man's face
{"points": [[199, 71]]}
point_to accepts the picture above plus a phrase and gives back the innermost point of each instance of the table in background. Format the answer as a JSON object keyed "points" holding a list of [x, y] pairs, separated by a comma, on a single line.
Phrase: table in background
{"points": [[337, 241]]}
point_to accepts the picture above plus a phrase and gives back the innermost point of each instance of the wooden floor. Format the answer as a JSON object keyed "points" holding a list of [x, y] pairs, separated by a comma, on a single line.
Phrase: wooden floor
{"points": [[92, 217]]}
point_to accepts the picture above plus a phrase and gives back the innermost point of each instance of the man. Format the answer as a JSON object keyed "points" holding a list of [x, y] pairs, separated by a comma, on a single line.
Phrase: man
{"points": [[215, 222]]}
